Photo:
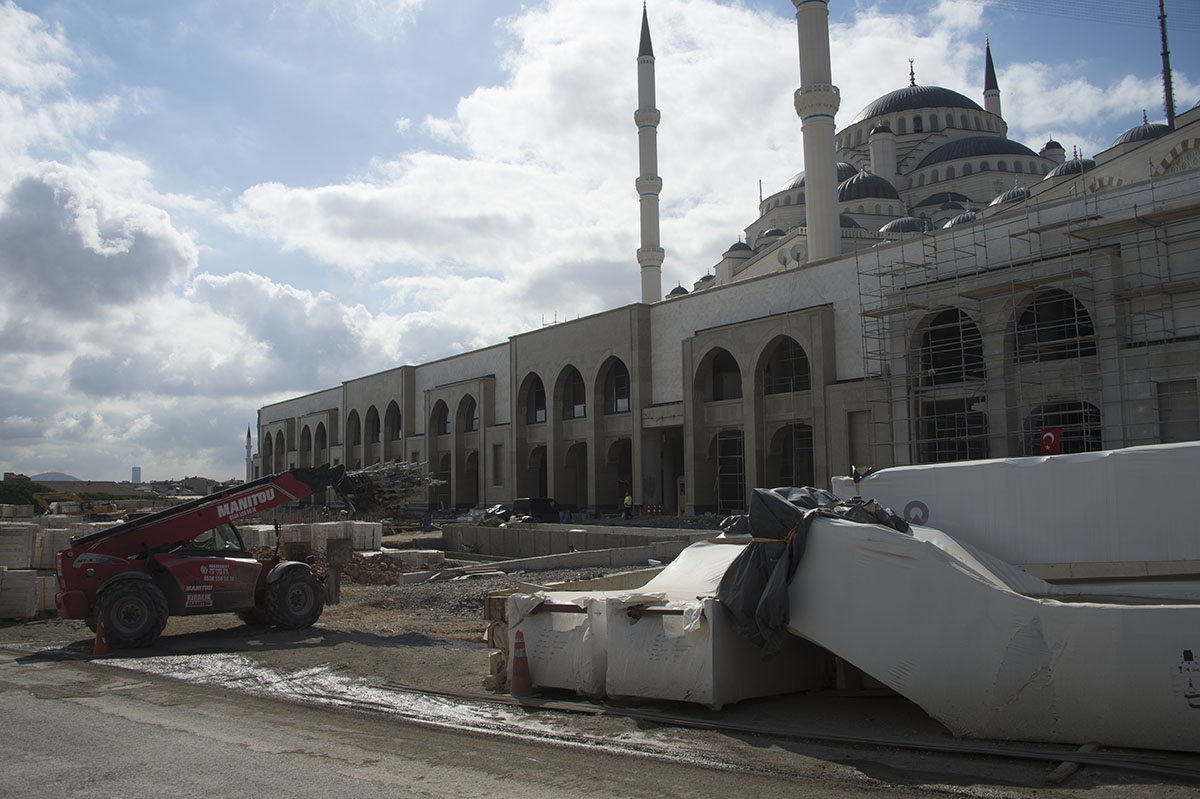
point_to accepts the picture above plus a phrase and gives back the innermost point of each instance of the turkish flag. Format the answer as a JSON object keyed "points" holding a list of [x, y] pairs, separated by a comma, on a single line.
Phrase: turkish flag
{"points": [[1052, 441]]}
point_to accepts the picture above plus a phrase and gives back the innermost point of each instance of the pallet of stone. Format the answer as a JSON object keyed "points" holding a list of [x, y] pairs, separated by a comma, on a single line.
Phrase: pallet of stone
{"points": [[47, 587], [47, 544], [322, 532], [18, 594], [16, 544], [16, 511]]}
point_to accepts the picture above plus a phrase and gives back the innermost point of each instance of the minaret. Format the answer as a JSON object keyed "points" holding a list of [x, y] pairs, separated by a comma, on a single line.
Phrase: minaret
{"points": [[991, 89], [649, 184], [249, 458], [817, 102]]}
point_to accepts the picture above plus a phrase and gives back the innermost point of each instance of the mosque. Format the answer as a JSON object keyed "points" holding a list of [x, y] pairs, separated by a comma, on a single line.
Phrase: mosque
{"points": [[928, 290]]}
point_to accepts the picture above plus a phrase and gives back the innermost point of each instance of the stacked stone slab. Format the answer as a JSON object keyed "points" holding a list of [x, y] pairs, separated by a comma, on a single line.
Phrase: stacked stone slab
{"points": [[18, 594]]}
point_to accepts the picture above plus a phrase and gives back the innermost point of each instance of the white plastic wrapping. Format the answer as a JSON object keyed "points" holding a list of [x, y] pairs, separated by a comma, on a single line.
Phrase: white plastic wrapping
{"points": [[1123, 505], [683, 649], [988, 662]]}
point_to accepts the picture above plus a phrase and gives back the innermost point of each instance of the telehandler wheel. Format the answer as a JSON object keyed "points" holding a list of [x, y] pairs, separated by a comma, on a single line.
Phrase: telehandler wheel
{"points": [[135, 613], [295, 600]]}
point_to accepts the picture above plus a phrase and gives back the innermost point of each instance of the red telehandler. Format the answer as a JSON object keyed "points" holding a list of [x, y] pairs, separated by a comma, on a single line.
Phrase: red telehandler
{"points": [[190, 559]]}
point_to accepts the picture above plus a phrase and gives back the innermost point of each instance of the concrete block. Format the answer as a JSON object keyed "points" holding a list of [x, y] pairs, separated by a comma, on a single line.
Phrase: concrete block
{"points": [[497, 662], [577, 540], [47, 588], [19, 594], [47, 544], [17, 545], [297, 533]]}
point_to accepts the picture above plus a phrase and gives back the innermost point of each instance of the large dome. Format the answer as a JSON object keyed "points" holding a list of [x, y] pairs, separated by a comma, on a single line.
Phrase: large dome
{"points": [[844, 171], [866, 185], [973, 147], [1143, 132], [913, 97]]}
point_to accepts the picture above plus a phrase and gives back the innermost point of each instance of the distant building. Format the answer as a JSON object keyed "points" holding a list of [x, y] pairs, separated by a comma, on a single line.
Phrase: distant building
{"points": [[137, 475], [928, 290]]}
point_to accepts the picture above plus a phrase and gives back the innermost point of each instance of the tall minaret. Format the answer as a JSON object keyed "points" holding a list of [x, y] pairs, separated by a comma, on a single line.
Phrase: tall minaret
{"points": [[817, 102], [249, 458], [991, 89], [649, 184]]}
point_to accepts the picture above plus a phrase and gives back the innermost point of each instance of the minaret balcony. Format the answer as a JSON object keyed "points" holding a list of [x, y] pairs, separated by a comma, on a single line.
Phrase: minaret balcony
{"points": [[817, 98], [647, 116], [649, 185], [650, 256]]}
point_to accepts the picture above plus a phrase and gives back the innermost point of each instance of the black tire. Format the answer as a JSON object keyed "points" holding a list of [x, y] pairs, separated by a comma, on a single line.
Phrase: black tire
{"points": [[295, 600], [134, 613]]}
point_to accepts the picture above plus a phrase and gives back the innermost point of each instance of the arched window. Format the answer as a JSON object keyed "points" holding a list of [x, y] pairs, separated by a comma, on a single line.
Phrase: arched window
{"points": [[978, 124], [535, 402], [985, 166], [933, 121], [964, 124], [441, 419], [966, 170], [918, 124], [901, 126], [949, 173], [616, 389], [574, 397], [726, 377], [1002, 166], [933, 176], [949, 120], [787, 200], [921, 180], [1017, 167], [951, 350], [1053, 327], [470, 415], [787, 368]]}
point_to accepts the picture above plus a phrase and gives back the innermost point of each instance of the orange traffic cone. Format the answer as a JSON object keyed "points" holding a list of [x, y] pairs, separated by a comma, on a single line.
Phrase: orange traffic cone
{"points": [[100, 648], [521, 683]]}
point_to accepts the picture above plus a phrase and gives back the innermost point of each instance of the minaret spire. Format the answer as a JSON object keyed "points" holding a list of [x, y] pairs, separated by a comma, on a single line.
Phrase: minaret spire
{"points": [[991, 89], [817, 101], [649, 184]]}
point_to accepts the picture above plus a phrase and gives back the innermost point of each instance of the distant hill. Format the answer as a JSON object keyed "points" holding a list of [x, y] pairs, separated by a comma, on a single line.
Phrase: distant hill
{"points": [[56, 477]]}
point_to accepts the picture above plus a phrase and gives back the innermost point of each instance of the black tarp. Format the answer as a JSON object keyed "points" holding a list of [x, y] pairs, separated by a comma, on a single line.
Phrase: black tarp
{"points": [[755, 587]]}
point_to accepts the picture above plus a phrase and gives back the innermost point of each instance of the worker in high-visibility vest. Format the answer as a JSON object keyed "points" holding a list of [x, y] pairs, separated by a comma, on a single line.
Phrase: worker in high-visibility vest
{"points": [[628, 506]]}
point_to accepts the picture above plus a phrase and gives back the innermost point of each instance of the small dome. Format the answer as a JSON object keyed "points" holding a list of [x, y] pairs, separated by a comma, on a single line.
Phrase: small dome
{"points": [[739, 246], [706, 278], [1052, 145], [866, 185], [772, 232], [1144, 132], [943, 197], [1075, 166], [678, 291], [882, 127], [844, 171], [913, 97], [1015, 194], [974, 147], [907, 224], [966, 216]]}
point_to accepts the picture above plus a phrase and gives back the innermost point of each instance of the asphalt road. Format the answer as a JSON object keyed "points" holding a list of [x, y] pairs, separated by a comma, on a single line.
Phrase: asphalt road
{"points": [[73, 728]]}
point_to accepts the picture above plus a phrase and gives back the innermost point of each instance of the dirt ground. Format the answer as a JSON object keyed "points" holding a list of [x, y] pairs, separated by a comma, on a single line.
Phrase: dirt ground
{"points": [[424, 635]]}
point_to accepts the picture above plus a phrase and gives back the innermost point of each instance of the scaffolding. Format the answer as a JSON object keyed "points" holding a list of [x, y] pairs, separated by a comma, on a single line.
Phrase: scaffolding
{"points": [[1062, 325]]}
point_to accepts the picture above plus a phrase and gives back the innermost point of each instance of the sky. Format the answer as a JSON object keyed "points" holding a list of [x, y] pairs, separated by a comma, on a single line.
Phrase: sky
{"points": [[210, 205]]}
